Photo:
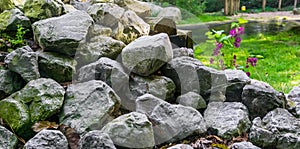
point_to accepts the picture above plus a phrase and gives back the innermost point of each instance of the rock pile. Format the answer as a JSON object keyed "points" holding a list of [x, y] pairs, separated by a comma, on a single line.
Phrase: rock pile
{"points": [[99, 72]]}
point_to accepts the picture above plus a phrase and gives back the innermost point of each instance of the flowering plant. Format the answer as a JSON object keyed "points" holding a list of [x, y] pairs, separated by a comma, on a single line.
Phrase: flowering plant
{"points": [[232, 42]]}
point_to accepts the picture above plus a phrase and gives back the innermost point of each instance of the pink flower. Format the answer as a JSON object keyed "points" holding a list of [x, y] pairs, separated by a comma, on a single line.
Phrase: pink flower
{"points": [[232, 32], [217, 49], [241, 30], [238, 39], [236, 44]]}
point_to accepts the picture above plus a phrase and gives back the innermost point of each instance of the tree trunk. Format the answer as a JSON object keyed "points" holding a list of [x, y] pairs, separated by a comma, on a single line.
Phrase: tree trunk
{"points": [[231, 12], [295, 3], [279, 4], [226, 7], [264, 2]]}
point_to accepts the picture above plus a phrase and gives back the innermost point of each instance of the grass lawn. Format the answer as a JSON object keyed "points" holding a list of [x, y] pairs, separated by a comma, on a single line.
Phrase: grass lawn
{"points": [[279, 62], [205, 17]]}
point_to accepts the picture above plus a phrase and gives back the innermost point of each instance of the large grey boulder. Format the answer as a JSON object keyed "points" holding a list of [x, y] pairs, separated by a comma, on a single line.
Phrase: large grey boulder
{"points": [[102, 30], [89, 106], [147, 54], [171, 122], [171, 12], [132, 130], [142, 9], [97, 47], [191, 99], [260, 98], [96, 140], [181, 146], [163, 25], [230, 119], [24, 62], [7, 139], [37, 101], [63, 34], [41, 9], [47, 139], [178, 52], [189, 75], [236, 79], [11, 19], [155, 9], [243, 145], [278, 129], [10, 82], [294, 97], [56, 66], [81, 5]]}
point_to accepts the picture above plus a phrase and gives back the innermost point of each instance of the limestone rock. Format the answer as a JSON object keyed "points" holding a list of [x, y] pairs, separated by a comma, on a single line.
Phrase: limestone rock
{"points": [[230, 119], [89, 106], [147, 54], [142, 9], [146, 103], [7, 139], [41, 9], [244, 145], [278, 129], [163, 25], [97, 47], [236, 79], [179, 52], [96, 140], [56, 66], [37, 101], [132, 130], [10, 82], [180, 146], [24, 62], [47, 139], [192, 99], [172, 13], [63, 34], [294, 97], [260, 98], [10, 19]]}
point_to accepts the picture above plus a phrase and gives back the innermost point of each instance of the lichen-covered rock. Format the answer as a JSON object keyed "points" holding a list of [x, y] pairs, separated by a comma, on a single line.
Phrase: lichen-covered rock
{"points": [[96, 140], [24, 62], [89, 106], [11, 19], [6, 5], [181, 146], [260, 98], [175, 122], [56, 66], [131, 130], [294, 97], [10, 82], [7, 139], [37, 101], [155, 9], [146, 103], [81, 5], [278, 129], [163, 25], [63, 34], [142, 9], [230, 119], [191, 99], [147, 54], [41, 9], [236, 79], [171, 12], [243, 145], [178, 52], [47, 139], [102, 30], [97, 47]]}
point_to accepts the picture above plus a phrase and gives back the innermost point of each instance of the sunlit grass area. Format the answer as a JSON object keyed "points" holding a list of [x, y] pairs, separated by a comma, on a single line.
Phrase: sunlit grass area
{"points": [[278, 63], [205, 17]]}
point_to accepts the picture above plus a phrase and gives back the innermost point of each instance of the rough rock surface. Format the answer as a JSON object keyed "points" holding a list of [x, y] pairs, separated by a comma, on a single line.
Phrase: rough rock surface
{"points": [[278, 129], [47, 139], [243, 145], [294, 96], [24, 62], [142, 9], [7, 139], [41, 9], [10, 19], [191, 99], [96, 140], [146, 103], [56, 66], [10, 82], [180, 146], [131, 130], [63, 34], [171, 12], [89, 106], [236, 79], [97, 47], [178, 52], [260, 98], [163, 25], [147, 54], [37, 101], [230, 119]]}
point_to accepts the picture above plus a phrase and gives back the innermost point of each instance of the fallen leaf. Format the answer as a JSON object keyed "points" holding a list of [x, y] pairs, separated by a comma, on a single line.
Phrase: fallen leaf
{"points": [[39, 126]]}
